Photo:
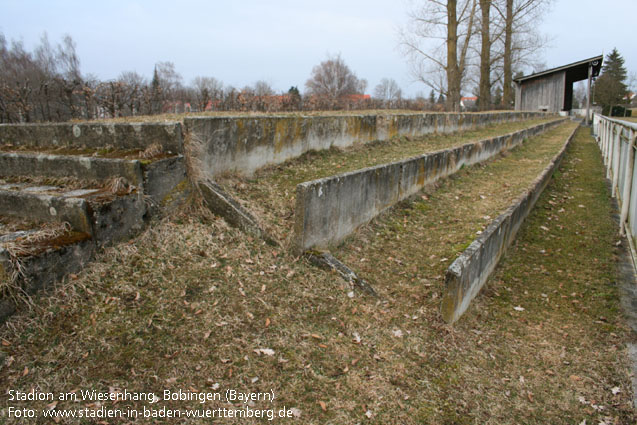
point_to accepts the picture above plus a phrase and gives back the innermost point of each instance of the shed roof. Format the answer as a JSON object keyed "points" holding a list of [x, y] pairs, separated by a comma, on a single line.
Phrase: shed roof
{"points": [[576, 71]]}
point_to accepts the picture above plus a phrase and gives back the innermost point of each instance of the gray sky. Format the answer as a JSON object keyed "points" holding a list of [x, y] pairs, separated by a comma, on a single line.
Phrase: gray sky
{"points": [[242, 41]]}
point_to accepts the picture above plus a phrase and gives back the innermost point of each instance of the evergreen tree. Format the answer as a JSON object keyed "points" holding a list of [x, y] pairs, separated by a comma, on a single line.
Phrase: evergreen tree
{"points": [[432, 97], [610, 87], [294, 92], [295, 97], [155, 86], [497, 96]]}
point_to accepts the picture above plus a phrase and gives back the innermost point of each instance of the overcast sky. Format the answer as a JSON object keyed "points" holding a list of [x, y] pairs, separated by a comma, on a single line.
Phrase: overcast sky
{"points": [[279, 41]]}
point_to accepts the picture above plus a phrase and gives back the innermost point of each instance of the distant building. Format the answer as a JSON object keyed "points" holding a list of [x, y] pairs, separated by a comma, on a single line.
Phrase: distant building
{"points": [[357, 97], [468, 103], [552, 90]]}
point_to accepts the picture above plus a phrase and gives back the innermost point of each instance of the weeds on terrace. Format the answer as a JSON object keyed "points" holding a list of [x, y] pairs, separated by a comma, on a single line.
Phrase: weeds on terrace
{"points": [[192, 304], [70, 183], [11, 286]]}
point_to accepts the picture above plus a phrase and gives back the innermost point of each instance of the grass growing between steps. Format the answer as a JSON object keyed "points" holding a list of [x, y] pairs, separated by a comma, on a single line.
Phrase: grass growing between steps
{"points": [[271, 193], [569, 342], [195, 305]]}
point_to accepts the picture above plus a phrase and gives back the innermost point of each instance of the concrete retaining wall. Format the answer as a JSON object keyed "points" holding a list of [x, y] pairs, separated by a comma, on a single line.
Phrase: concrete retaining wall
{"points": [[468, 273], [329, 209], [163, 176], [95, 136], [245, 144], [85, 168]]}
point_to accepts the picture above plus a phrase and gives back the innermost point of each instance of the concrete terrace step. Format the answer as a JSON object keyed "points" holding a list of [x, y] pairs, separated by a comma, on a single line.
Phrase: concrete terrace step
{"points": [[156, 177], [416, 243], [80, 167], [60, 173], [95, 135], [66, 190], [105, 216]]}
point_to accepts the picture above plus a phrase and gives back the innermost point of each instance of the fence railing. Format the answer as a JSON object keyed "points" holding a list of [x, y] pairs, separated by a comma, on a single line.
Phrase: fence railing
{"points": [[616, 140]]}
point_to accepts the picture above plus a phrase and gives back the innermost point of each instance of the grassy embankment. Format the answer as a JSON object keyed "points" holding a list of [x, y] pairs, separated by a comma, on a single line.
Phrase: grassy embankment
{"points": [[195, 305]]}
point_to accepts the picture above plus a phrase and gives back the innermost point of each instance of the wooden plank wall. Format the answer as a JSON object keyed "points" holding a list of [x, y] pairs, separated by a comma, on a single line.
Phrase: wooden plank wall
{"points": [[543, 93]]}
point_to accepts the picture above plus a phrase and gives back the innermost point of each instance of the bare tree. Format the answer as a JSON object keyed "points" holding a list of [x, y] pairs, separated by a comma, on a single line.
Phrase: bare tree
{"points": [[70, 79], [579, 95], [450, 26], [207, 90], [167, 84], [133, 85], [333, 79], [484, 88], [43, 85], [263, 88], [521, 39], [388, 91]]}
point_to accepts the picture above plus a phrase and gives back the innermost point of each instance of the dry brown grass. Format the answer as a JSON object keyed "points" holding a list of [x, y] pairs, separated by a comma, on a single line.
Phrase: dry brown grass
{"points": [[187, 303], [61, 183], [39, 238]]}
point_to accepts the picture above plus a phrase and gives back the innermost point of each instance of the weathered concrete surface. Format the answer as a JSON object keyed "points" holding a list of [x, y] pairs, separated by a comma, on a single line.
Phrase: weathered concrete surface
{"points": [[95, 135], [327, 261], [468, 273], [46, 208], [100, 216], [105, 220], [245, 144], [162, 176], [117, 219], [41, 270], [329, 209], [222, 204], [81, 167]]}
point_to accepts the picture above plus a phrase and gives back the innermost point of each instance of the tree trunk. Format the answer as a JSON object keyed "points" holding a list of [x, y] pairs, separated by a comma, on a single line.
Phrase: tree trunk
{"points": [[453, 71], [508, 60], [484, 96]]}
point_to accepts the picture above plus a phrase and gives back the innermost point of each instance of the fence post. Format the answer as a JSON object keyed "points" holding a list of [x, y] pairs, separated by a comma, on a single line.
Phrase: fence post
{"points": [[603, 137], [625, 200], [609, 149], [616, 136]]}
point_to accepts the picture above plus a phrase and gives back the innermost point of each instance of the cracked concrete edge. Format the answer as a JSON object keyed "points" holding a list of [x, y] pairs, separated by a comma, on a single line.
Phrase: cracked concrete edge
{"points": [[223, 204], [327, 261]]}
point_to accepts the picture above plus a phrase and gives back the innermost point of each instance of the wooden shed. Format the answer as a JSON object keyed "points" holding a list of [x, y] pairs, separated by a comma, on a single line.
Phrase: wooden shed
{"points": [[552, 90]]}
